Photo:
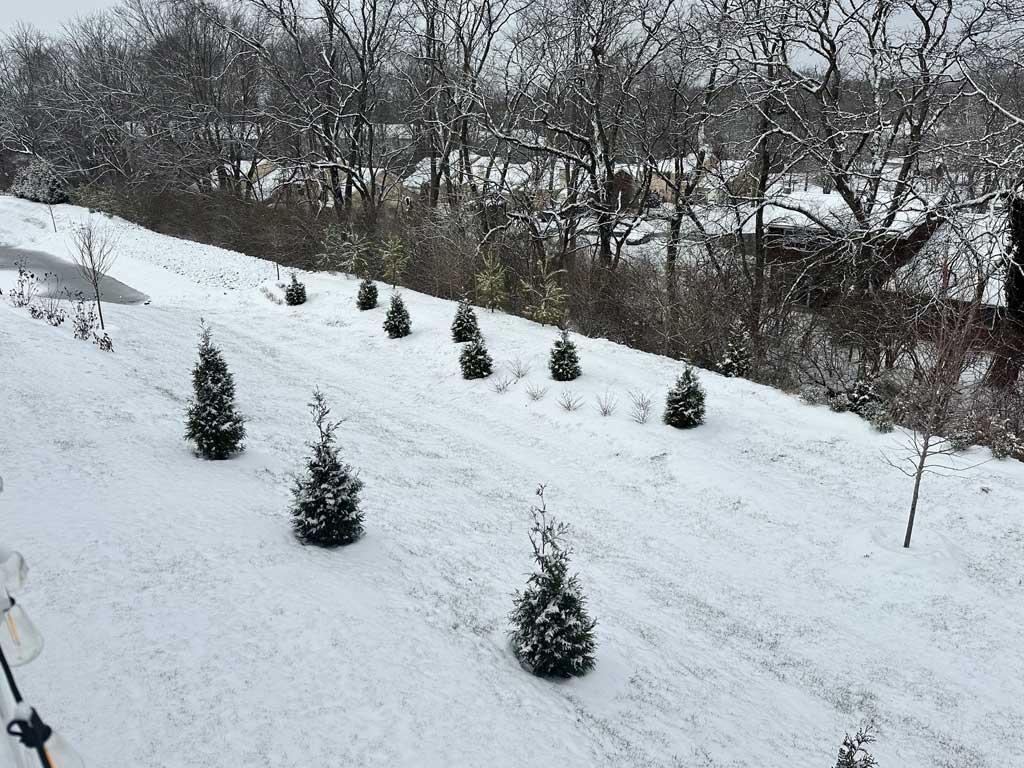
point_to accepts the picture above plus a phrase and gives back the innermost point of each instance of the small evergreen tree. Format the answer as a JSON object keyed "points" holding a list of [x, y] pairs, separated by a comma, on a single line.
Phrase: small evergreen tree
{"points": [[853, 752], [475, 361], [325, 507], [684, 407], [295, 293], [736, 362], [564, 361], [397, 322], [490, 285], [548, 302], [395, 261], [551, 633], [212, 421], [367, 298], [464, 326]]}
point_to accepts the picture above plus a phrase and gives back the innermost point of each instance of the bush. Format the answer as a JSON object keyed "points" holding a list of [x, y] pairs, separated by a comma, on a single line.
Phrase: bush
{"points": [[39, 182], [853, 752], [25, 289], [325, 507], [104, 342], [684, 407], [295, 293], [551, 635], [879, 416], [465, 326], [475, 361], [367, 298], [84, 319], [212, 421], [397, 323], [564, 362]]}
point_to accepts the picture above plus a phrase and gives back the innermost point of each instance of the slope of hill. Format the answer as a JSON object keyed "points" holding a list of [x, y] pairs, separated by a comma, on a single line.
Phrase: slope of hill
{"points": [[752, 597]]}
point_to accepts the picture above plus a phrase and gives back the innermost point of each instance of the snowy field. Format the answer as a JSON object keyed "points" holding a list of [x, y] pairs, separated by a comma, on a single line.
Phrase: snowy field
{"points": [[752, 597]]}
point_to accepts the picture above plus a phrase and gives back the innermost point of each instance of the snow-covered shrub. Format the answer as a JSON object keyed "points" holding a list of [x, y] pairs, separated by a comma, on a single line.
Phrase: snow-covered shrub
{"points": [[212, 420], [1002, 439], [567, 401], [39, 182], [564, 362], [607, 403], [475, 360], [536, 392], [104, 343], [295, 293], [640, 410], [814, 394], [25, 289], [856, 398], [551, 635], [879, 416], [853, 751], [518, 368], [367, 296], [325, 506], [736, 361], [684, 407], [397, 323], [84, 319], [465, 326], [502, 385], [270, 295]]}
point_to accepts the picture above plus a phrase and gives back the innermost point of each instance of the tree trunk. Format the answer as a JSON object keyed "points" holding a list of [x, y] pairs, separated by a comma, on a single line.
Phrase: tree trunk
{"points": [[922, 459]]}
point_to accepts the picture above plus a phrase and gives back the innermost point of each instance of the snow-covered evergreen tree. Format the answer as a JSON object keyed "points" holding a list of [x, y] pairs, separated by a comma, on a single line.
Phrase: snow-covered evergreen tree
{"points": [[295, 293], [39, 182], [397, 323], [684, 407], [325, 507], [551, 634], [212, 421], [367, 298], [853, 752], [564, 361], [736, 361], [475, 360], [465, 326]]}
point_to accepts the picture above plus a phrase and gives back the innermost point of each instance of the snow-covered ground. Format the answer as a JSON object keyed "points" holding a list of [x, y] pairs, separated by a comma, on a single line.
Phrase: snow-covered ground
{"points": [[752, 596]]}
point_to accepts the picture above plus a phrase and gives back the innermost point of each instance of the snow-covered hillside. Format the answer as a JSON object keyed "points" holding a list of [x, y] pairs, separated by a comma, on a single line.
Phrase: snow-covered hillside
{"points": [[753, 599]]}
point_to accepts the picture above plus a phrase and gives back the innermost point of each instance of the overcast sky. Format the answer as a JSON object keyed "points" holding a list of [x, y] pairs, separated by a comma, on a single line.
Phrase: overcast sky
{"points": [[48, 15]]}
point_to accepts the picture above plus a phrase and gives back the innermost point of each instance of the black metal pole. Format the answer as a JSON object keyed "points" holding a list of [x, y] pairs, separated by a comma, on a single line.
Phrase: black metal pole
{"points": [[44, 758]]}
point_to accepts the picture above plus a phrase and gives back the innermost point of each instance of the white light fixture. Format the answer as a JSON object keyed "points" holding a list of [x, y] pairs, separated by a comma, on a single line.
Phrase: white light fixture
{"points": [[20, 640]]}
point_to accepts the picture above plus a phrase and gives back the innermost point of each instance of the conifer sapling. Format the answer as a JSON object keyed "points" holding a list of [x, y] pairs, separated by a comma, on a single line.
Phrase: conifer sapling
{"points": [[295, 293], [465, 326], [551, 633], [475, 360], [853, 752], [212, 420], [736, 362], [325, 507], [684, 407], [367, 298], [564, 361], [397, 323]]}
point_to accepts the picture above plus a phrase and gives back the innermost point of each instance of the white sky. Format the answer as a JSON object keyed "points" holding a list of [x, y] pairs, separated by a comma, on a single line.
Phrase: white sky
{"points": [[47, 15]]}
